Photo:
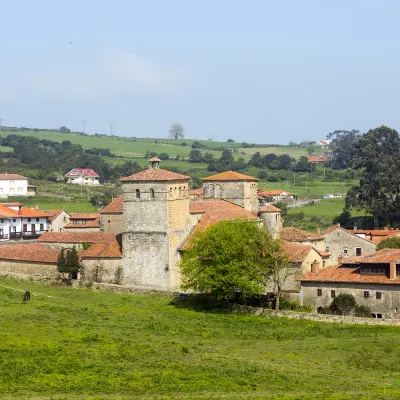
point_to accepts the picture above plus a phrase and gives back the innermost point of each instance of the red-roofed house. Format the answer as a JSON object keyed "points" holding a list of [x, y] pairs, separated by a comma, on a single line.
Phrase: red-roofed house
{"points": [[83, 176], [83, 222], [57, 219], [272, 196], [318, 159]]}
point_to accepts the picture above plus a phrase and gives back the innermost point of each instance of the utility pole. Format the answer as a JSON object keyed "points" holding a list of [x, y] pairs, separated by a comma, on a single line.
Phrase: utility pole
{"points": [[83, 126], [111, 129]]}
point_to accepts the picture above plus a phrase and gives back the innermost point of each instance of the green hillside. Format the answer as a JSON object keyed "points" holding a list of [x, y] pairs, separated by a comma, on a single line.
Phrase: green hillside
{"points": [[70, 343]]}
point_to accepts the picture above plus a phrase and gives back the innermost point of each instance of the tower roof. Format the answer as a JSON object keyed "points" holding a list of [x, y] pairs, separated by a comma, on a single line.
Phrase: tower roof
{"points": [[154, 159], [230, 176], [269, 209], [155, 174]]}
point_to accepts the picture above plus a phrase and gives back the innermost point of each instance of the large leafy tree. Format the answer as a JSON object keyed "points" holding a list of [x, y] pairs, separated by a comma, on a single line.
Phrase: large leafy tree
{"points": [[389, 243], [176, 131], [342, 143], [376, 155], [230, 258]]}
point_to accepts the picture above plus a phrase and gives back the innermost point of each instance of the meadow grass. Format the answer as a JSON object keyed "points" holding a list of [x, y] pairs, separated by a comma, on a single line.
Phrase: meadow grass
{"points": [[68, 343], [295, 152]]}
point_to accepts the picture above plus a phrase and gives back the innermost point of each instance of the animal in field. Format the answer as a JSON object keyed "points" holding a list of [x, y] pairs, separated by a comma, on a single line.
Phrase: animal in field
{"points": [[27, 295]]}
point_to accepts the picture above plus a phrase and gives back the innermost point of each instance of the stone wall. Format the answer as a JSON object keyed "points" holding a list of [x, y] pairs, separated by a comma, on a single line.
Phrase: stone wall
{"points": [[27, 269], [94, 229], [388, 305], [112, 223], [272, 223], [107, 270], [316, 317], [345, 243]]}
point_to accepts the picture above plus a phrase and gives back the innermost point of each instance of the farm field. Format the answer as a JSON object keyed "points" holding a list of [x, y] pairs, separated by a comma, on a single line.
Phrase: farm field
{"points": [[294, 152], [68, 343]]}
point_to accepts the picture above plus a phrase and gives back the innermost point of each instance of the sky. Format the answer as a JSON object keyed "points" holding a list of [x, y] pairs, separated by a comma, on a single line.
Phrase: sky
{"points": [[258, 71]]}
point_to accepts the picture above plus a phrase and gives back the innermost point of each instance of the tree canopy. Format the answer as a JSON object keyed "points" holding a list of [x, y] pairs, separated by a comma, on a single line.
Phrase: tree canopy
{"points": [[376, 155], [342, 143], [231, 258], [176, 131], [389, 243]]}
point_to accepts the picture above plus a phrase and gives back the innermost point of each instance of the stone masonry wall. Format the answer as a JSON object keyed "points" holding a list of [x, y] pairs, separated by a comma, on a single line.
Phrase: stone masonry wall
{"points": [[31, 270], [112, 223], [101, 270]]}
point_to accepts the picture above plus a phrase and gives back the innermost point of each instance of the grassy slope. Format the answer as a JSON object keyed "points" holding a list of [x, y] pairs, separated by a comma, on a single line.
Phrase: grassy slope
{"points": [[79, 344]]}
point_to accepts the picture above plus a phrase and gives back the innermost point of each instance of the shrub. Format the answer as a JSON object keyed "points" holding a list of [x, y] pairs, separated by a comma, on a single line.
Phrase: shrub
{"points": [[363, 311], [389, 243], [343, 304]]}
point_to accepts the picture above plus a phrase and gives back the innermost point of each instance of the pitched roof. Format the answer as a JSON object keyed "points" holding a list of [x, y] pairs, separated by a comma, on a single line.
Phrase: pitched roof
{"points": [[53, 214], [90, 224], [336, 227], [115, 207], [85, 172], [318, 159], [12, 177], [376, 235], [380, 257], [84, 216], [230, 176], [196, 192], [155, 174], [340, 274], [29, 252], [153, 159], [273, 192], [103, 250], [297, 235], [296, 252], [15, 204], [6, 212], [269, 209], [76, 237]]}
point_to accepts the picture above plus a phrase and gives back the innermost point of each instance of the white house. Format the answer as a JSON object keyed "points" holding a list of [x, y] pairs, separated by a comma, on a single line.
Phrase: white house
{"points": [[83, 176], [272, 196], [13, 185], [57, 219]]}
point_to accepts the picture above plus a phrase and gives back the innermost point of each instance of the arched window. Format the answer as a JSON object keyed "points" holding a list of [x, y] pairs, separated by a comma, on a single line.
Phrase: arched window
{"points": [[218, 192], [151, 193], [137, 193]]}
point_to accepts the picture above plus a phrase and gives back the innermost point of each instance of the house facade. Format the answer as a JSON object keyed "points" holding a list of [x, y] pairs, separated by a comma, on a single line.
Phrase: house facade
{"points": [[112, 216], [82, 176], [56, 220], [13, 185], [273, 196], [83, 222]]}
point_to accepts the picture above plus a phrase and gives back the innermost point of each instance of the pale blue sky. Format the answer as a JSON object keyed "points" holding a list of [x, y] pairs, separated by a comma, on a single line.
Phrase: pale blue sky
{"points": [[281, 70]]}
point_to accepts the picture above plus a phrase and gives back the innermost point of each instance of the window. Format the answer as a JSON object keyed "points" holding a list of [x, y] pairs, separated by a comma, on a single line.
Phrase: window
{"points": [[12, 190], [151, 193], [109, 221], [29, 220], [20, 190], [358, 251], [378, 295], [323, 264], [333, 294], [84, 222], [41, 227], [319, 292], [327, 249], [14, 220], [2, 221], [366, 294], [37, 219], [345, 252], [137, 193], [76, 221]]}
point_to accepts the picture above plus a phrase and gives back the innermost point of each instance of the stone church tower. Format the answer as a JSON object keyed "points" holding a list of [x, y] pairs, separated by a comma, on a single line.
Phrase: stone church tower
{"points": [[157, 221], [231, 186], [272, 220]]}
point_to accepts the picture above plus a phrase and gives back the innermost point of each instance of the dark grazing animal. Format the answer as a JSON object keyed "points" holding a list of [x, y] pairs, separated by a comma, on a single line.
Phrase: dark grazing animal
{"points": [[27, 295]]}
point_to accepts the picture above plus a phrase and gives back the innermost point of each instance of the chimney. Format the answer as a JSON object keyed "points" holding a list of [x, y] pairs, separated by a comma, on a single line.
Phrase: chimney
{"points": [[318, 230], [340, 259], [392, 270], [19, 210], [314, 267]]}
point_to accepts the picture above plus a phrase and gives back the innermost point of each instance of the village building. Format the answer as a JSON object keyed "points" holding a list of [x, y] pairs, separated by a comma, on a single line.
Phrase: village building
{"points": [[272, 220], [56, 220], [373, 280], [83, 222], [196, 194], [340, 242], [375, 235], [15, 185], [318, 159], [112, 216], [82, 176], [273, 196], [291, 234]]}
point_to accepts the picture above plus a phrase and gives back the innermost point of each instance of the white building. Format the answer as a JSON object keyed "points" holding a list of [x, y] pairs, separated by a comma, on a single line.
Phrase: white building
{"points": [[83, 176], [13, 185]]}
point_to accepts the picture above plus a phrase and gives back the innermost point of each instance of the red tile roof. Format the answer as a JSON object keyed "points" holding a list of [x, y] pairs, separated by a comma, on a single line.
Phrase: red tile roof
{"points": [[12, 177], [155, 174], [86, 172], [31, 212], [32, 186], [297, 235], [340, 274], [84, 216], [53, 214], [153, 159], [336, 227], [6, 212], [318, 159], [16, 204], [296, 252], [29, 252], [273, 192], [77, 237], [230, 176], [103, 250], [269, 209], [91, 223], [197, 192], [115, 207], [380, 257]]}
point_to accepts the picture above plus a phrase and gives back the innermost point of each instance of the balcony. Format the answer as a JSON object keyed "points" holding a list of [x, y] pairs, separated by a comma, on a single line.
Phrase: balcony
{"points": [[27, 234], [3, 237]]}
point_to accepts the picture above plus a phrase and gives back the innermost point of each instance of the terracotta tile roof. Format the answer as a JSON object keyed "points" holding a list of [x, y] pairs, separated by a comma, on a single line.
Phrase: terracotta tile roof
{"points": [[230, 176], [103, 250], [318, 159], [269, 209], [115, 207], [340, 274], [53, 214], [91, 223], [296, 252], [336, 227], [323, 253], [77, 237], [153, 159], [29, 252], [380, 257], [16, 204], [377, 232], [197, 192], [84, 215], [155, 174], [297, 235], [7, 212], [31, 212], [85, 172], [12, 177], [214, 211], [273, 192]]}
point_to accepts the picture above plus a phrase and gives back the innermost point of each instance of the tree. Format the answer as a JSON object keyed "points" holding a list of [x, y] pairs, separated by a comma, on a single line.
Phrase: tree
{"points": [[163, 156], [176, 131], [61, 263], [64, 129], [343, 304], [256, 160], [389, 243], [230, 141], [231, 258], [302, 165], [342, 143], [376, 155], [72, 262]]}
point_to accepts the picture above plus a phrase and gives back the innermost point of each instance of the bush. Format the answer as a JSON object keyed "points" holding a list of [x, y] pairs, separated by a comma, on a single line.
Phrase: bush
{"points": [[343, 304], [389, 243], [262, 175], [163, 156], [363, 311]]}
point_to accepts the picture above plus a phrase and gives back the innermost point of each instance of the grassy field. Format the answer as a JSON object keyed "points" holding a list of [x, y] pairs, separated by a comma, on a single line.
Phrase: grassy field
{"points": [[79, 344], [294, 152]]}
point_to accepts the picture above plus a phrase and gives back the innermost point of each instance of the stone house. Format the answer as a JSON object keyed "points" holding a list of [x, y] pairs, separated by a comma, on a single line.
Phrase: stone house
{"points": [[196, 194], [374, 281], [291, 234], [340, 242], [376, 235], [83, 222], [112, 216], [56, 220]]}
